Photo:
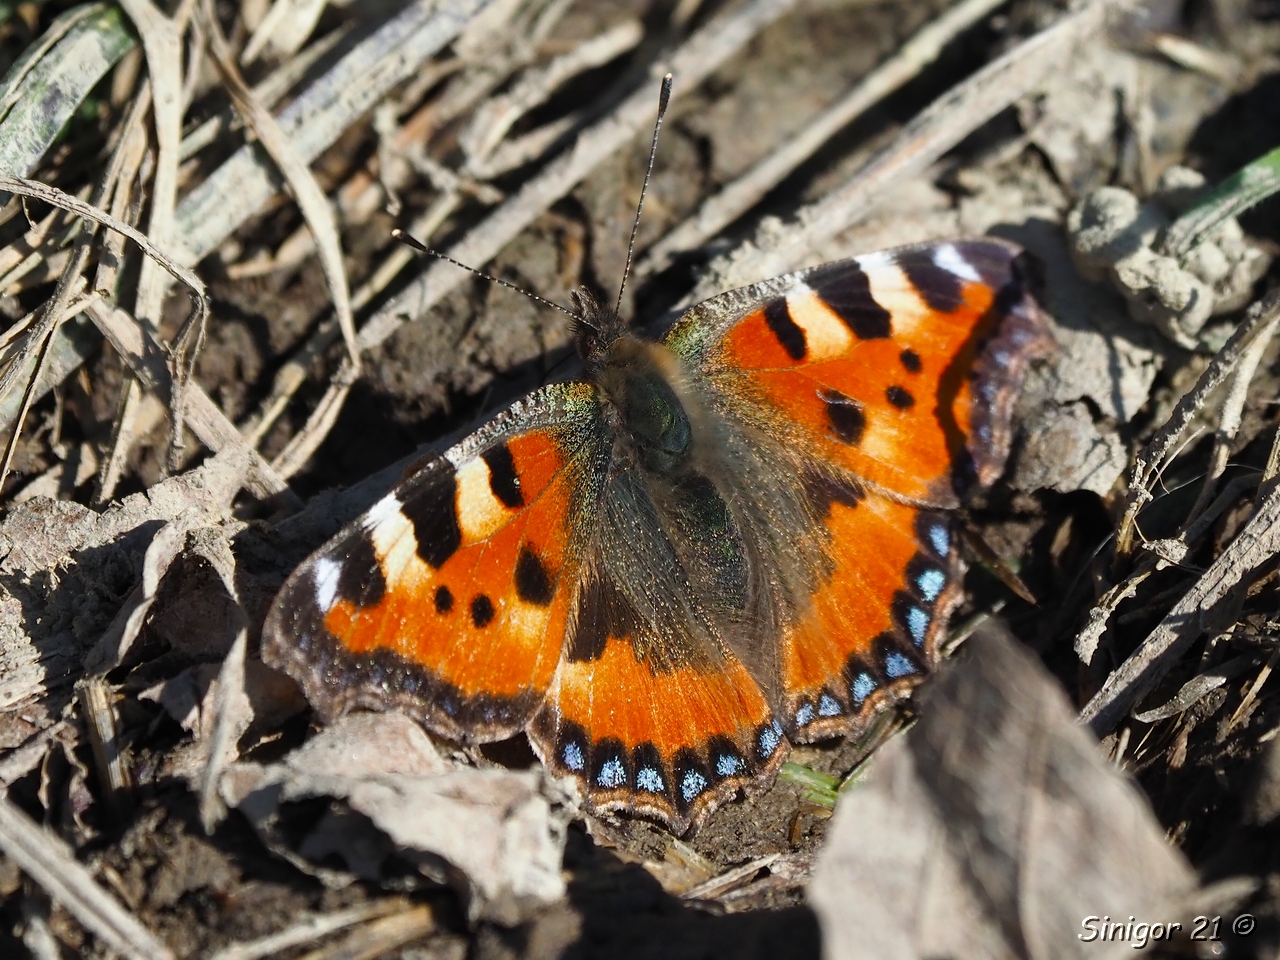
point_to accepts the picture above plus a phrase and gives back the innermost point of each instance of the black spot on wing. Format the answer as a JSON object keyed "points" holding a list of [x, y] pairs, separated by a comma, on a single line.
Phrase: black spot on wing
{"points": [[602, 612], [900, 397], [434, 515], [360, 579], [910, 361], [444, 599], [533, 584], [504, 482], [845, 416], [940, 288], [482, 611], [844, 288], [824, 490], [778, 318]]}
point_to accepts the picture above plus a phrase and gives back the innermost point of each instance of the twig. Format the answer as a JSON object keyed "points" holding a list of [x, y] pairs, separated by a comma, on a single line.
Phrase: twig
{"points": [[145, 357], [933, 132], [307, 931], [496, 117], [310, 198], [1260, 319], [1256, 544], [692, 62], [48, 861], [1230, 413], [736, 198], [315, 120]]}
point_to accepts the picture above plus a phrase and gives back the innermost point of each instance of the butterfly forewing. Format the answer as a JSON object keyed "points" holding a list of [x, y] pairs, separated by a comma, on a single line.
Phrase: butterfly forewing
{"points": [[449, 598]]}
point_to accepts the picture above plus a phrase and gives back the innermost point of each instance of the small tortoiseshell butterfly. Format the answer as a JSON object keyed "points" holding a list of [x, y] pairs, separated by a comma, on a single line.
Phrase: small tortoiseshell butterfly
{"points": [[720, 541]]}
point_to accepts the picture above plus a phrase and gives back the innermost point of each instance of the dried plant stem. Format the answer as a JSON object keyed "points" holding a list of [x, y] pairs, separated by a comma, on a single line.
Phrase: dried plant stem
{"points": [[736, 198], [48, 861], [146, 360], [310, 198], [122, 437], [937, 129], [1230, 413], [308, 930], [1256, 544], [694, 60], [162, 44], [1260, 320]]}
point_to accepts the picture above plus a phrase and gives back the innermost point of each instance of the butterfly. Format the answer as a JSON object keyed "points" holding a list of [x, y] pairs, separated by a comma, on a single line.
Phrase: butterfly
{"points": [[718, 542]]}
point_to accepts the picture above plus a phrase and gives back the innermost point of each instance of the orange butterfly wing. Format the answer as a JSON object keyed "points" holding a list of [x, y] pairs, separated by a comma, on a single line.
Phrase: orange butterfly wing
{"points": [[896, 372], [449, 598]]}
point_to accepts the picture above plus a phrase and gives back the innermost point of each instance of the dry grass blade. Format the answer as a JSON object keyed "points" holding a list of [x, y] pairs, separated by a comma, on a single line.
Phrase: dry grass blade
{"points": [[1257, 543], [379, 937], [937, 129], [311, 199], [48, 862], [1260, 321], [307, 931], [742, 194], [57, 198], [146, 360], [316, 119], [691, 63], [53, 79]]}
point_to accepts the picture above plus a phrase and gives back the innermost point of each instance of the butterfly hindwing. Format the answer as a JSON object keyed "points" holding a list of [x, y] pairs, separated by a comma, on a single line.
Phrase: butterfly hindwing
{"points": [[449, 598]]}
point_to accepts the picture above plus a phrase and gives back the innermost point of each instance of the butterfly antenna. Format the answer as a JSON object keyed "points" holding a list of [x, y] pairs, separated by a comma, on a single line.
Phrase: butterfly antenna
{"points": [[409, 241], [664, 97]]}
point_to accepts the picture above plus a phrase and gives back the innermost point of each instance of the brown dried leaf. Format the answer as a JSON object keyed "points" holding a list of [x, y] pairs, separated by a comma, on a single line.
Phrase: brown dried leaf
{"points": [[992, 829], [496, 835]]}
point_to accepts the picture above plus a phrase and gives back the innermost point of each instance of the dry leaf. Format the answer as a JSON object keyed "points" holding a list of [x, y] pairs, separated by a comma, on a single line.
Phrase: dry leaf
{"points": [[495, 835], [992, 829]]}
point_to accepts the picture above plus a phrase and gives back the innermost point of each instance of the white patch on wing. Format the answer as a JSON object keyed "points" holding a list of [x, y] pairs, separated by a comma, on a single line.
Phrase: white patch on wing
{"points": [[480, 513], [394, 545], [326, 572], [379, 512], [949, 258], [826, 336], [894, 291]]}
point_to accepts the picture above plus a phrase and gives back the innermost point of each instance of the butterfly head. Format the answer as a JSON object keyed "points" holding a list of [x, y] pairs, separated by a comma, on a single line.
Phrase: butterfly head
{"points": [[596, 329]]}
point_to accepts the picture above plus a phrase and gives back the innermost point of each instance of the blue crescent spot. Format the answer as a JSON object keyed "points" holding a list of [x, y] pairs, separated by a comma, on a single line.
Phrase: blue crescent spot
{"points": [[918, 624], [828, 706], [862, 686], [931, 583], [612, 774], [727, 764], [571, 754], [692, 784], [896, 665], [649, 779], [940, 539], [768, 740], [804, 714]]}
